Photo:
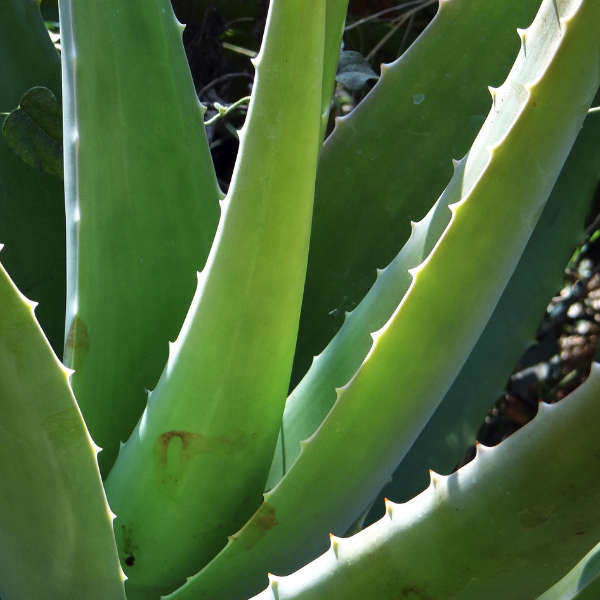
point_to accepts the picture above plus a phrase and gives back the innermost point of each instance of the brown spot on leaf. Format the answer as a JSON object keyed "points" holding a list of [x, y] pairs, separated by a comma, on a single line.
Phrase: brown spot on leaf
{"points": [[192, 443], [265, 517], [129, 546], [77, 342], [257, 527], [187, 440], [184, 436]]}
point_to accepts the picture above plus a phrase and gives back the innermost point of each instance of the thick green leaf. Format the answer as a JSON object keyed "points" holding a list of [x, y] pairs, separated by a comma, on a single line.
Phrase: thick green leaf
{"points": [[501, 527], [511, 328], [55, 526], [582, 582], [193, 470], [388, 161], [535, 118], [141, 203]]}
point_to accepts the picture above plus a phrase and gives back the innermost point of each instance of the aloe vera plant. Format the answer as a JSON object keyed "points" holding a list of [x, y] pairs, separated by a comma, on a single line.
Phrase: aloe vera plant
{"points": [[161, 457]]}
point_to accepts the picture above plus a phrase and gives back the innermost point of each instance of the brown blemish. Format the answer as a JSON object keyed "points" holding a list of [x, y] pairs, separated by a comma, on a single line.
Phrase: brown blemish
{"points": [[184, 436], [193, 443], [164, 439], [129, 546], [257, 527], [265, 517], [77, 342]]}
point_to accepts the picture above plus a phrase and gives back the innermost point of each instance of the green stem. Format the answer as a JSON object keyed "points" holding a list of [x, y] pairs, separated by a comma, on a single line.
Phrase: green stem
{"points": [[223, 111]]}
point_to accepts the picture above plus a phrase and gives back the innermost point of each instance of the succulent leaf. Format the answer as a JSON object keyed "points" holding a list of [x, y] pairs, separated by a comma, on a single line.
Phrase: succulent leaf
{"points": [[210, 427], [387, 162], [582, 582], [140, 215], [503, 182], [511, 328], [55, 524], [408, 373], [438, 545]]}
